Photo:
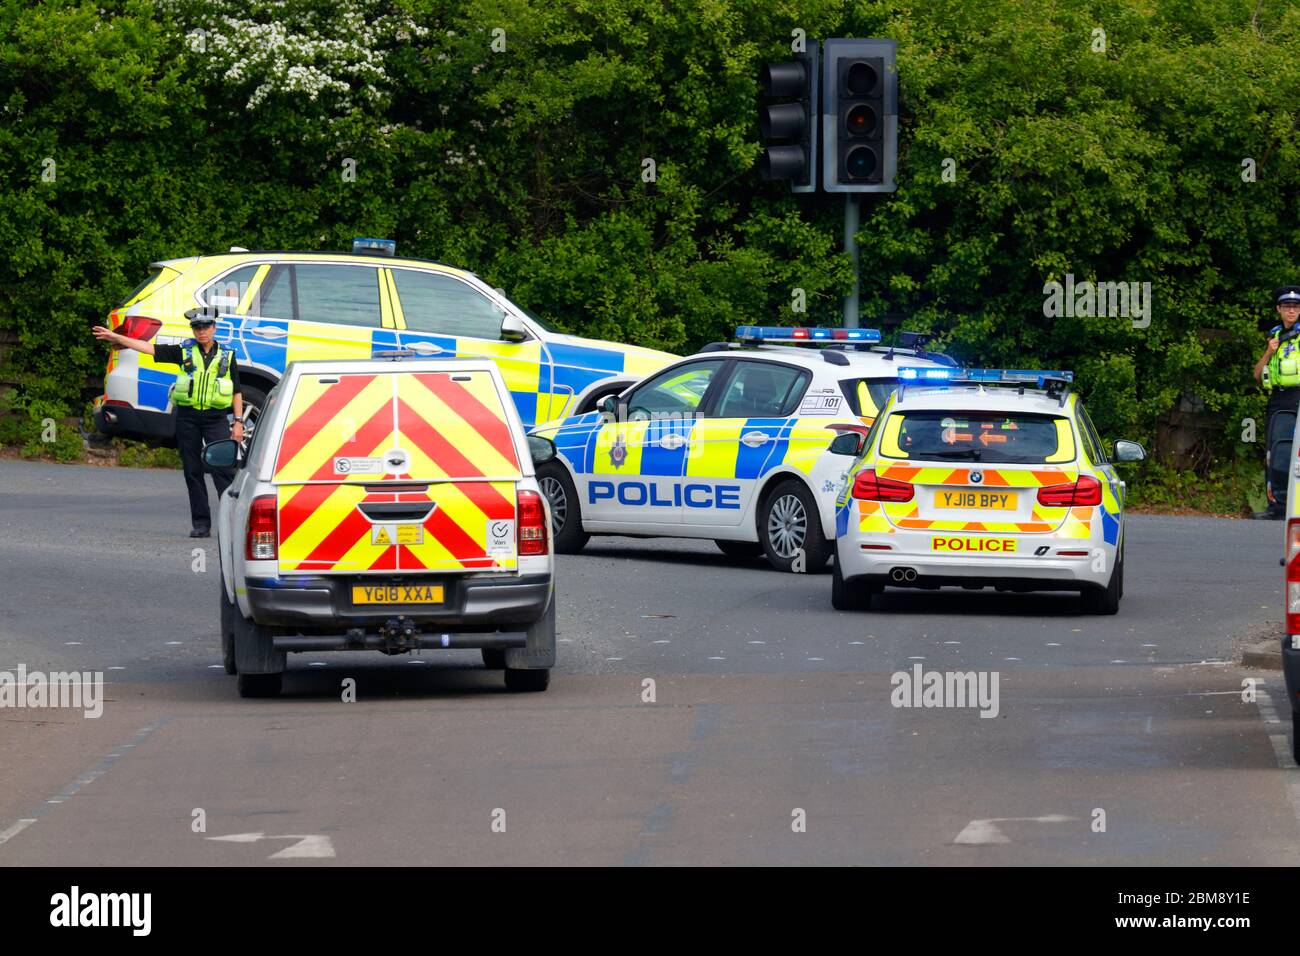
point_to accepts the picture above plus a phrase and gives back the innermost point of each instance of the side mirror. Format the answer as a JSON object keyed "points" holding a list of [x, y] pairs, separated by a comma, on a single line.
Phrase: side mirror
{"points": [[847, 443], [541, 449], [512, 329], [608, 406], [221, 454], [1129, 451]]}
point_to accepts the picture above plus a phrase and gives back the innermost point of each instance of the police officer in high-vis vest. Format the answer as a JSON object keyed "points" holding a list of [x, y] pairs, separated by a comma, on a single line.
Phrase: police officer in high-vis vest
{"points": [[206, 390], [1278, 370]]}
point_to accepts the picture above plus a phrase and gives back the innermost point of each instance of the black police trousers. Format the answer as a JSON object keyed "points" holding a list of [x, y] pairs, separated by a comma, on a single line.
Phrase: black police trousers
{"points": [[1280, 424], [194, 429]]}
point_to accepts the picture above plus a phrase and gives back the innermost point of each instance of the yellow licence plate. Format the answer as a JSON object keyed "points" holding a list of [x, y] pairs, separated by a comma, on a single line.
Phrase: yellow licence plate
{"points": [[984, 500], [397, 594]]}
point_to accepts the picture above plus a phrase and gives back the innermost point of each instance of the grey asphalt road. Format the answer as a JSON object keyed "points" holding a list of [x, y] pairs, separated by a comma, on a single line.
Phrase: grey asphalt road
{"points": [[771, 737]]}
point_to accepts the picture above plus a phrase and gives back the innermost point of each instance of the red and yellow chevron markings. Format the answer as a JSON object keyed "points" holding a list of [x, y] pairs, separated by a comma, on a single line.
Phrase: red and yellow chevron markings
{"points": [[461, 460]]}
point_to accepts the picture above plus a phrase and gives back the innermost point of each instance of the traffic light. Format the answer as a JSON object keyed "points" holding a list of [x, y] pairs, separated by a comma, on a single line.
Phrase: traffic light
{"points": [[860, 116], [789, 128]]}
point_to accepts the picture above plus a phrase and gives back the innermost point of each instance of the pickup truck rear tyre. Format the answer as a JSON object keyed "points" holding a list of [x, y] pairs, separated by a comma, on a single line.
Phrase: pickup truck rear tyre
{"points": [[1295, 736], [259, 685], [255, 652], [566, 511], [227, 630]]}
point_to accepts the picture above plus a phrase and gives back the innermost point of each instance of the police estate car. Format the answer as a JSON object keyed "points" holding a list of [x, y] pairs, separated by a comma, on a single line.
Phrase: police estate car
{"points": [[280, 307], [983, 478], [729, 444]]}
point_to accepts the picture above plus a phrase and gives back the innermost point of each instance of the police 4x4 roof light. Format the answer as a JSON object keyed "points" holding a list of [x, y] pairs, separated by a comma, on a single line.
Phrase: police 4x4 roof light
{"points": [[374, 247], [780, 333]]}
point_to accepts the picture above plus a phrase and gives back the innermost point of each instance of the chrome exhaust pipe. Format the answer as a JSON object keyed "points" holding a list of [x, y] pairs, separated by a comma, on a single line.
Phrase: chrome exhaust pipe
{"points": [[909, 575], [903, 575]]}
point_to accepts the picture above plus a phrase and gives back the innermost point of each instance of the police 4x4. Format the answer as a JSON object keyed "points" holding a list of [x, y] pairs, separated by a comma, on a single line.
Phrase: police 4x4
{"points": [[281, 307], [983, 478], [730, 444], [390, 506]]}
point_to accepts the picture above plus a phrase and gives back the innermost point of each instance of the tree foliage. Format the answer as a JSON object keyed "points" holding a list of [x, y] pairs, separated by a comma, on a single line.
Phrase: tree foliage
{"points": [[513, 137]]}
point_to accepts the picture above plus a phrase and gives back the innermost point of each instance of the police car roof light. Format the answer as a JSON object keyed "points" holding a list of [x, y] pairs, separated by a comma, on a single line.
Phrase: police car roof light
{"points": [[374, 247], [781, 333]]}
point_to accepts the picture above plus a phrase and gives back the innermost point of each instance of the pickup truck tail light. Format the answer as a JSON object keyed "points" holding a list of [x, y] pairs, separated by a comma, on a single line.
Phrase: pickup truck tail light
{"points": [[532, 534], [263, 530]]}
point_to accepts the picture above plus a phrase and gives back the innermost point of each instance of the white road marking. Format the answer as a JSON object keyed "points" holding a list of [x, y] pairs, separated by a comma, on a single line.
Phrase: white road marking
{"points": [[758, 642], [816, 658], [986, 832], [85, 779], [1290, 779], [1052, 645], [663, 642], [309, 846], [220, 667], [72, 643], [613, 658], [9, 833], [117, 668], [952, 642], [173, 643], [857, 643], [717, 658], [1011, 658]]}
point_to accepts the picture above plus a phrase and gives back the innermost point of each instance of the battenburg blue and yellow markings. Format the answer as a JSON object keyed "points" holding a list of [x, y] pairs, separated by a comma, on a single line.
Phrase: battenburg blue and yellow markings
{"points": [[650, 494]]}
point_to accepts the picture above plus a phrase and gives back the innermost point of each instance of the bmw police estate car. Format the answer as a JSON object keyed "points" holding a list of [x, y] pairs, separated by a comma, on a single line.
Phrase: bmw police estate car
{"points": [[730, 444], [983, 478], [279, 307], [390, 506]]}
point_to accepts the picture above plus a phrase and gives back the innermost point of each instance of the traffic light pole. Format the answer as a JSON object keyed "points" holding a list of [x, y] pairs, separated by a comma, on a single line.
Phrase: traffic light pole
{"points": [[851, 250]]}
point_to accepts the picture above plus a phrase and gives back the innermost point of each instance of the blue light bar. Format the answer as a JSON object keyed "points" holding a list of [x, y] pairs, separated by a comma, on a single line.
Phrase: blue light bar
{"points": [[914, 374], [781, 333], [374, 247], [1009, 376]]}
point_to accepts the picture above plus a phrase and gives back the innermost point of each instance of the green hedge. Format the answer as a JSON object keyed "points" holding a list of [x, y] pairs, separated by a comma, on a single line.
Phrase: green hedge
{"points": [[526, 165]]}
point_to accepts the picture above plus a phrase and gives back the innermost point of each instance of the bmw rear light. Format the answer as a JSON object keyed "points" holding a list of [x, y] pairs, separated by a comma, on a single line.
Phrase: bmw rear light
{"points": [[1293, 576], [1079, 494], [868, 486], [532, 524], [133, 326], [262, 530], [840, 427]]}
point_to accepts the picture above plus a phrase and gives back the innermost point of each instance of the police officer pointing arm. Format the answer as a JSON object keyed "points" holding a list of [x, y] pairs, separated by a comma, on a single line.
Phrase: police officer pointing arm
{"points": [[1278, 370], [206, 388]]}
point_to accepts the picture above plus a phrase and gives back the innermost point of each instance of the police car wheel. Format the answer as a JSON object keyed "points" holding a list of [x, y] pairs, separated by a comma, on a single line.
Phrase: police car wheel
{"points": [[1106, 600], [259, 685], [851, 595], [740, 549], [566, 514], [254, 402], [227, 631], [494, 658], [789, 525], [527, 681]]}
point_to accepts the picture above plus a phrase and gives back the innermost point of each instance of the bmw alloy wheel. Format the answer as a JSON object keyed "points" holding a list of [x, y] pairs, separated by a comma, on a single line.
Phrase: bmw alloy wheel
{"points": [[787, 526], [554, 492]]}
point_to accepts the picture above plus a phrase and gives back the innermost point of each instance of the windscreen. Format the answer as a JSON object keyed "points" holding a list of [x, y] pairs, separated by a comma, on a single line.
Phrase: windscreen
{"points": [[1007, 438]]}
